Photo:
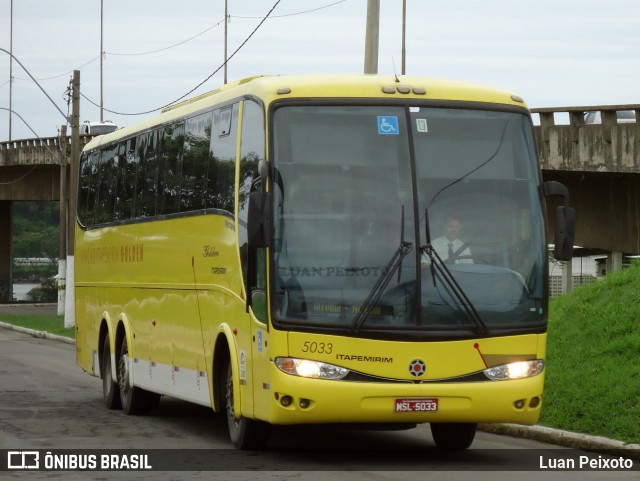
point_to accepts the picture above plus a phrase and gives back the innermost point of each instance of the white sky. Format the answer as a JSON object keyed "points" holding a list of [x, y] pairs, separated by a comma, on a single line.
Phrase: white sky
{"points": [[551, 52]]}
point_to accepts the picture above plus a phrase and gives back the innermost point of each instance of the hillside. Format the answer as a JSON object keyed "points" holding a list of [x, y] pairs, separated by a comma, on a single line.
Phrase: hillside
{"points": [[593, 360]]}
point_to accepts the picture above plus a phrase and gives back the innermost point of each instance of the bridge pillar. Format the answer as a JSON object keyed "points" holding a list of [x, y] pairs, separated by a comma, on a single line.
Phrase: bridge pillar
{"points": [[567, 277], [614, 262], [6, 233]]}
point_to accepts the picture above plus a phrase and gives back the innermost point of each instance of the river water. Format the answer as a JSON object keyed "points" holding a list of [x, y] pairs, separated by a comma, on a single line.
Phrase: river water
{"points": [[20, 291]]}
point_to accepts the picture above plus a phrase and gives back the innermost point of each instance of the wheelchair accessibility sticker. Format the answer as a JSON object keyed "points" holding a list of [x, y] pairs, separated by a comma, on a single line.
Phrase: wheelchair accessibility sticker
{"points": [[388, 125]]}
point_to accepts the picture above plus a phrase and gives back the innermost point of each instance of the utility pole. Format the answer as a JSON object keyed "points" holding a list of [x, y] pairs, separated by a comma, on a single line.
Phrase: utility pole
{"points": [[226, 21], [70, 296], [64, 210], [404, 37], [10, 66], [372, 38], [101, 59]]}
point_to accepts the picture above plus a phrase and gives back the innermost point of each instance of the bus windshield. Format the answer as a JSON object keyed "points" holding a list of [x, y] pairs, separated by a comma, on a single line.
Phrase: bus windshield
{"points": [[430, 218]]}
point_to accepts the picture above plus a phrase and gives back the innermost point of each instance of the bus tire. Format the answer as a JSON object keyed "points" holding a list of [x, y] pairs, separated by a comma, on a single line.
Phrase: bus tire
{"points": [[110, 388], [134, 400], [244, 433], [453, 435]]}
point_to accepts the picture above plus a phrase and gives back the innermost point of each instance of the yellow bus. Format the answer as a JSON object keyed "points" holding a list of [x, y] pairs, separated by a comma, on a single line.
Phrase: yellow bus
{"points": [[271, 249]]}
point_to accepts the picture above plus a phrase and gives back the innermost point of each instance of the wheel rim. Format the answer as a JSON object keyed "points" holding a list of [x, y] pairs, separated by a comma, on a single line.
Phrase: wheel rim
{"points": [[123, 373]]}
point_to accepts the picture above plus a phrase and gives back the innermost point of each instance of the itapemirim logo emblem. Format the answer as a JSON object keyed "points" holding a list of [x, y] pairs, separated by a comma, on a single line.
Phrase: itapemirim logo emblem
{"points": [[417, 367]]}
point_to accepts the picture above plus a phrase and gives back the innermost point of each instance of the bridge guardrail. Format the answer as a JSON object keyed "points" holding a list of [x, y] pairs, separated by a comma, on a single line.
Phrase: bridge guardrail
{"points": [[608, 146], [43, 150]]}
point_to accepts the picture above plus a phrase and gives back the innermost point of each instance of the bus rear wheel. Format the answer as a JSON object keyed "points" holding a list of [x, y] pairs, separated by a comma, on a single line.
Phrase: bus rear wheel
{"points": [[110, 388], [134, 399], [244, 433], [453, 435]]}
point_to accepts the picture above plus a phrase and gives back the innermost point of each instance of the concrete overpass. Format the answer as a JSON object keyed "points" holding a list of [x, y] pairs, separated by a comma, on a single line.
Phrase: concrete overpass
{"points": [[30, 170], [600, 165], [598, 162]]}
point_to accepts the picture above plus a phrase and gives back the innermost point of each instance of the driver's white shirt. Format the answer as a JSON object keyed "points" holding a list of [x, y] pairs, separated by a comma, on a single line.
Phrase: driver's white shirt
{"points": [[441, 246]]}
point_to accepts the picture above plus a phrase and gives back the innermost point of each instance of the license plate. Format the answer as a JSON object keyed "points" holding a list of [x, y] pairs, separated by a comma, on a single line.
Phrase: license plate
{"points": [[417, 405]]}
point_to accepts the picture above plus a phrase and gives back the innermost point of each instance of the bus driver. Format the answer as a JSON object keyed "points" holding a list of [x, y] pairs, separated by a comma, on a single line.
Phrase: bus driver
{"points": [[449, 247]]}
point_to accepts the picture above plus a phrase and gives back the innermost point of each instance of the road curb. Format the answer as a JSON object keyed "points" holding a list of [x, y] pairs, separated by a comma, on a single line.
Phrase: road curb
{"points": [[34, 333], [565, 439]]}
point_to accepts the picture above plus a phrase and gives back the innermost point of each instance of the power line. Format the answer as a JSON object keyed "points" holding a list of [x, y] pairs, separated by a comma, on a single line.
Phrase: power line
{"points": [[264, 19], [11, 111], [150, 52], [34, 80], [15, 181], [296, 13], [63, 74], [217, 24], [169, 47]]}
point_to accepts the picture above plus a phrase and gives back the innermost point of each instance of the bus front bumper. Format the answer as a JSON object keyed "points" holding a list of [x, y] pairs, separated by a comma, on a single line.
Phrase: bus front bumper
{"points": [[297, 400]]}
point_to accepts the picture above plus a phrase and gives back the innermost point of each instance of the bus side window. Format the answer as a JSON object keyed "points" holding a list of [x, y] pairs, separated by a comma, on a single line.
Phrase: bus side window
{"points": [[195, 160], [125, 192], [92, 187], [147, 175], [222, 164], [108, 176], [85, 217], [171, 147]]}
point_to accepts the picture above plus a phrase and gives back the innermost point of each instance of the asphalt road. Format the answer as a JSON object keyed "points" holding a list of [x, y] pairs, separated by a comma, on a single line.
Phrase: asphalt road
{"points": [[48, 403]]}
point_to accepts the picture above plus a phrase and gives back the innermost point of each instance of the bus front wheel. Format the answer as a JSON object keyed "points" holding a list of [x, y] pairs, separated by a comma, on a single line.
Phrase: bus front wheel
{"points": [[244, 433], [453, 435], [134, 399]]}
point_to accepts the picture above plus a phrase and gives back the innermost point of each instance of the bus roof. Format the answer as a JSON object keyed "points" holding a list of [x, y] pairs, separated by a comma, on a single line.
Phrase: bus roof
{"points": [[271, 88]]}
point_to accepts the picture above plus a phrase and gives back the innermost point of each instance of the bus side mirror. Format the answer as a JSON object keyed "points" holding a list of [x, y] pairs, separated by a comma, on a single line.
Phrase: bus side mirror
{"points": [[259, 220], [565, 222]]}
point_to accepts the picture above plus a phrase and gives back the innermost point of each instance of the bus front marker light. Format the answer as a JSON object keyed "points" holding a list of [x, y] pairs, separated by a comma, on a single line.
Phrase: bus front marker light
{"points": [[515, 370], [310, 369]]}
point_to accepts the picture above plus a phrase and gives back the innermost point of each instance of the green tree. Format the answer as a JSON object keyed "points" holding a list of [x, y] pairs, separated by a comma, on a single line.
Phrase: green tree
{"points": [[36, 229]]}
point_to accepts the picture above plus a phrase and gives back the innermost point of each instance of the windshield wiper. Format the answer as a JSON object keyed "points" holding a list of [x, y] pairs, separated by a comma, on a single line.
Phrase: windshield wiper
{"points": [[453, 286], [383, 281], [395, 264]]}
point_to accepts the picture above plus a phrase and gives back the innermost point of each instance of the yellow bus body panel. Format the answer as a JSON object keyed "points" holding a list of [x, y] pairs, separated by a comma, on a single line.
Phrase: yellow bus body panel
{"points": [[174, 285]]}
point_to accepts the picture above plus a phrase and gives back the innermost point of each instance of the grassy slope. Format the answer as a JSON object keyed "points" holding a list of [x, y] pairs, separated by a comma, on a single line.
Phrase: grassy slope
{"points": [[593, 360], [39, 322]]}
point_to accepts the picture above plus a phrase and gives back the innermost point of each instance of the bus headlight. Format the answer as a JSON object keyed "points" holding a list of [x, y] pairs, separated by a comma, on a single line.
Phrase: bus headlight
{"points": [[310, 369], [515, 370]]}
